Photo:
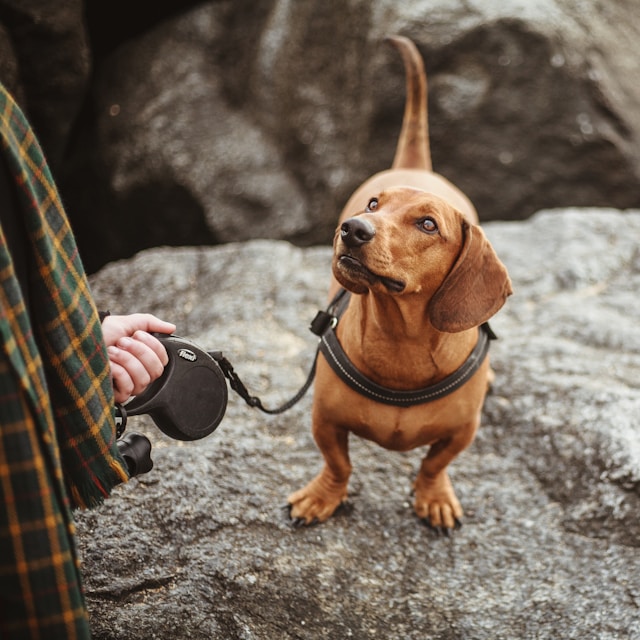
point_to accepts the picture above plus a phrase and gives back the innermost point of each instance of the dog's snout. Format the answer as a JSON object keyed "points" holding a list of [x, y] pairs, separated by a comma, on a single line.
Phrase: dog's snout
{"points": [[355, 232]]}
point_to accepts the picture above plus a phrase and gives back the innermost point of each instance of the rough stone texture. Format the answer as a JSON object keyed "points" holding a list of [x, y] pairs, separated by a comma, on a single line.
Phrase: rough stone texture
{"points": [[228, 120], [201, 546]]}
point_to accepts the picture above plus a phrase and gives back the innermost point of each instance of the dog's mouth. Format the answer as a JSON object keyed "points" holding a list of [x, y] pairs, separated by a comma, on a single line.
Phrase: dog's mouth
{"points": [[354, 267]]}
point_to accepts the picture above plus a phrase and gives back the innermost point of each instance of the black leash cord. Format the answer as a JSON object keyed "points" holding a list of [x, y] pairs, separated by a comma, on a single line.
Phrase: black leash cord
{"points": [[238, 386], [321, 323]]}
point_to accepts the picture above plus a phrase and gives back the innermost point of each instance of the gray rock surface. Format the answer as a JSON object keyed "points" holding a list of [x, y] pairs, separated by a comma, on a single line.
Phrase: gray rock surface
{"points": [[201, 546]]}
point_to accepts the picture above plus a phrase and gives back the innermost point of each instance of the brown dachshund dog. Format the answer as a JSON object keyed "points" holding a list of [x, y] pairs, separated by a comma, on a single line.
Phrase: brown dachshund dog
{"points": [[422, 278]]}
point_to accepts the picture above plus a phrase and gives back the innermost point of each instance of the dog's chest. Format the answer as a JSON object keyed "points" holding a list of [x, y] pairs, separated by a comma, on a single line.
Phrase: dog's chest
{"points": [[398, 428]]}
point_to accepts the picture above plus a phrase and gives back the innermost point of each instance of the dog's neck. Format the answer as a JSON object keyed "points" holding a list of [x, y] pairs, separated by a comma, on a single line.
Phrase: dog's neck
{"points": [[391, 340]]}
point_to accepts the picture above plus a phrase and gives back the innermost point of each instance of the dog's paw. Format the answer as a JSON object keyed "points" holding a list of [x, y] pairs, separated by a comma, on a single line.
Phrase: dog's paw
{"points": [[445, 531], [296, 523], [436, 503], [312, 505]]}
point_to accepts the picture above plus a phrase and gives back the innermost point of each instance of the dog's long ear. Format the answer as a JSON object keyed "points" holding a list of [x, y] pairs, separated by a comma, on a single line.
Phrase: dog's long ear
{"points": [[475, 288]]}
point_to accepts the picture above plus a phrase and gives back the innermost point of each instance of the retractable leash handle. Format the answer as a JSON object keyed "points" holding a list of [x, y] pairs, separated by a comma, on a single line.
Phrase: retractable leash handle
{"points": [[187, 402], [189, 399]]}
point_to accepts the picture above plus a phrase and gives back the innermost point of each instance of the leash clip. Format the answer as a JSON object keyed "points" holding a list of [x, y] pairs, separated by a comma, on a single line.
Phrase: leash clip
{"points": [[323, 322]]}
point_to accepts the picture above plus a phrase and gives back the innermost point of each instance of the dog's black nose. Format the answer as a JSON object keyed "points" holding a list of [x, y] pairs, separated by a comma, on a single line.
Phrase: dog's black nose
{"points": [[355, 232]]}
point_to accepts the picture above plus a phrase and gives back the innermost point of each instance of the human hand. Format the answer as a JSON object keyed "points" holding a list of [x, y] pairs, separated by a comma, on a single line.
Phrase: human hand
{"points": [[136, 357]]}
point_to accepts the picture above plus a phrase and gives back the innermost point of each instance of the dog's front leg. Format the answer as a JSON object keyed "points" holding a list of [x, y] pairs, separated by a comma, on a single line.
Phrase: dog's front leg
{"points": [[435, 499], [323, 495]]}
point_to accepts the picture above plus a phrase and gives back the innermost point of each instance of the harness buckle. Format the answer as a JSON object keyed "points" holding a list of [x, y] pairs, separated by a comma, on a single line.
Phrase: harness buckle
{"points": [[323, 322]]}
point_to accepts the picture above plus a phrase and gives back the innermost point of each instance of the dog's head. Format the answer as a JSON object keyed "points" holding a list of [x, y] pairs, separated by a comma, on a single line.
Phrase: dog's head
{"points": [[412, 243]]}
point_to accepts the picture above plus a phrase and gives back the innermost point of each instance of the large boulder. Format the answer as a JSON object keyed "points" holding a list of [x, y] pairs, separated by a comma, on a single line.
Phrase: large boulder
{"points": [[215, 121], [263, 122], [201, 547]]}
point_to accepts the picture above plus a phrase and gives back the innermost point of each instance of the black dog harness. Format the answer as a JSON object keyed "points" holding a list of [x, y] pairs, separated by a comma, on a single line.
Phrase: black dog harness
{"points": [[324, 326]]}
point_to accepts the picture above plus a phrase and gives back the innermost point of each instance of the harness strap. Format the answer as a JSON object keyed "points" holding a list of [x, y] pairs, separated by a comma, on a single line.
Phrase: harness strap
{"points": [[348, 373]]}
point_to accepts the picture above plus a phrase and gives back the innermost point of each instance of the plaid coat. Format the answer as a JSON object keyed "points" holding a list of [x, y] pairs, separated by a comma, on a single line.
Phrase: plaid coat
{"points": [[57, 432]]}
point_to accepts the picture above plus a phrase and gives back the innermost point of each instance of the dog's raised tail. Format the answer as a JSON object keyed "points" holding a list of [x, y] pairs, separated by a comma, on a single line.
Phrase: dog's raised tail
{"points": [[413, 151]]}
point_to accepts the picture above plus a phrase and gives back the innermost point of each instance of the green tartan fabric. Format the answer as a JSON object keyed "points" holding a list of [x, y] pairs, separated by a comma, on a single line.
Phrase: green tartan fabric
{"points": [[57, 431]]}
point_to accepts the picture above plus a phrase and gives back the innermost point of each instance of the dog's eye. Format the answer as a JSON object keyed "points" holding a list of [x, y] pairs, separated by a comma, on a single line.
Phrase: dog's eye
{"points": [[428, 225], [373, 204]]}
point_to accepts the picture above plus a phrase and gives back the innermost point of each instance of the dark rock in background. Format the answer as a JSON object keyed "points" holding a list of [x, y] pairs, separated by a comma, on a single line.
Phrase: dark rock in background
{"points": [[201, 547], [209, 122]]}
